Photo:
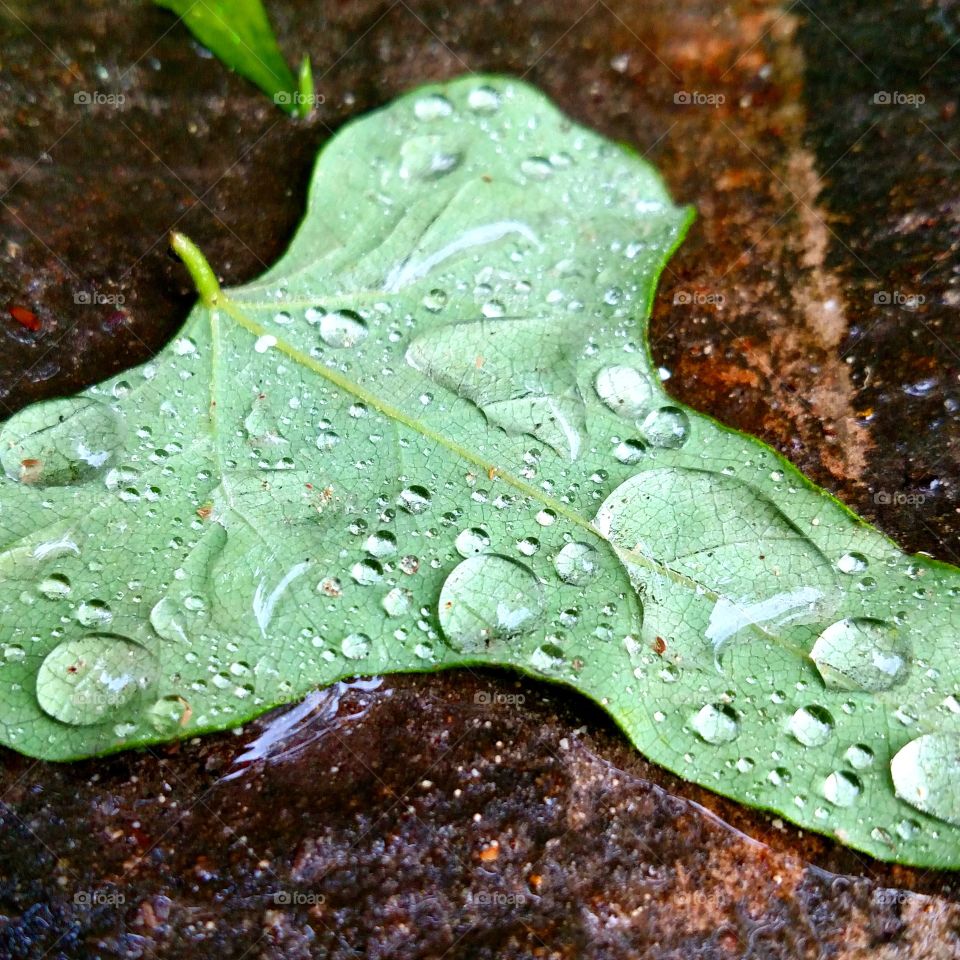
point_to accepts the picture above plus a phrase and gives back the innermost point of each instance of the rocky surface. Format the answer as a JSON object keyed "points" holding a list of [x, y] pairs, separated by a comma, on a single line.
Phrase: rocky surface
{"points": [[464, 815]]}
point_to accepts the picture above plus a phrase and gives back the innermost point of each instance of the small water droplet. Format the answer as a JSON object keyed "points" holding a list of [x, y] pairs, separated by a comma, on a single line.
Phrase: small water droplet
{"points": [[366, 572], [842, 788], [168, 714], [483, 100], [812, 725], [716, 723], [93, 613], [577, 563], [355, 646], [528, 546], [414, 499], [434, 106], [667, 427], [397, 602], [55, 586], [629, 451], [488, 598], [88, 679], [860, 654], [472, 541], [537, 168], [859, 756], [546, 517], [852, 563], [342, 329], [265, 342], [435, 300], [381, 544], [625, 390]]}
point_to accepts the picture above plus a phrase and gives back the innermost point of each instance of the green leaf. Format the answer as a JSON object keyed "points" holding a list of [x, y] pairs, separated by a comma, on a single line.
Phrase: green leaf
{"points": [[432, 436], [239, 33]]}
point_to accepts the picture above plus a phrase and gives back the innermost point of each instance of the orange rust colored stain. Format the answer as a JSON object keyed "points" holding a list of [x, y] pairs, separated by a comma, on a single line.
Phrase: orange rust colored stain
{"points": [[490, 852], [25, 317], [204, 512], [30, 470], [659, 646]]}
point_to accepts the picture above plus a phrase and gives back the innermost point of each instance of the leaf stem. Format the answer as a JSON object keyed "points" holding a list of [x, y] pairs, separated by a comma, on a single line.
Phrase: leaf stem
{"points": [[204, 279]]}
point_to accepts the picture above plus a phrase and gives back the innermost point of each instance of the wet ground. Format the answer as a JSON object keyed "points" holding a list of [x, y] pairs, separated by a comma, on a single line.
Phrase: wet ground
{"points": [[815, 305]]}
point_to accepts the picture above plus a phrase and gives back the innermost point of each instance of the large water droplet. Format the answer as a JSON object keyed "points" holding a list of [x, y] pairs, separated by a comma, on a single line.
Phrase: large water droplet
{"points": [[488, 598], [812, 725], [667, 427], [861, 654], [55, 586], [342, 328], [625, 390], [87, 680], [842, 788], [716, 723], [59, 442], [852, 563], [577, 563], [926, 774]]}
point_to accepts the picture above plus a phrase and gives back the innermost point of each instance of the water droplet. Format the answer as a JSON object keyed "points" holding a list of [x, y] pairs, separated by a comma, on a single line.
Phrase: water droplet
{"points": [[488, 598], [537, 168], [86, 680], [93, 613], [381, 544], [355, 646], [812, 725], [397, 602], [435, 300], [342, 328], [548, 657], [483, 100], [842, 788], [852, 563], [435, 106], [472, 541], [629, 451], [528, 546], [667, 427], [860, 654], [716, 723], [577, 563], [428, 158], [366, 572], [327, 440], [168, 714], [859, 756], [414, 499], [926, 774], [546, 517], [265, 342], [625, 390], [59, 442], [56, 586]]}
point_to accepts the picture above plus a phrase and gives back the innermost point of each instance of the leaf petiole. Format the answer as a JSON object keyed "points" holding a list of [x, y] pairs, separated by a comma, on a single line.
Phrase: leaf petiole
{"points": [[204, 279]]}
